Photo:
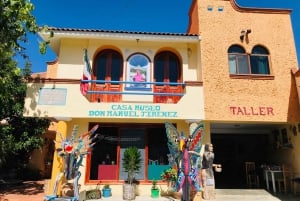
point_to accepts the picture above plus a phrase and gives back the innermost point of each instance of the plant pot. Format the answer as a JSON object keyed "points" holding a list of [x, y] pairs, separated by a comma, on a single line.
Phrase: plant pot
{"points": [[128, 192], [154, 193], [106, 192]]}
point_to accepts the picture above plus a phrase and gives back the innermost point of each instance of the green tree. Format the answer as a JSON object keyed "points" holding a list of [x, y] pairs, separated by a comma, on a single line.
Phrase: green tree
{"points": [[21, 135]]}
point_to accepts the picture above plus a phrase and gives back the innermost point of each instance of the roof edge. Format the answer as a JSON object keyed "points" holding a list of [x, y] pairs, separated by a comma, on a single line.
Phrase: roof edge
{"points": [[118, 31], [239, 8]]}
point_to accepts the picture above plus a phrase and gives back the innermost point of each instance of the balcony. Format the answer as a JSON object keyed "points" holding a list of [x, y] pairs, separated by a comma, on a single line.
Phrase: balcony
{"points": [[119, 91], [62, 97]]}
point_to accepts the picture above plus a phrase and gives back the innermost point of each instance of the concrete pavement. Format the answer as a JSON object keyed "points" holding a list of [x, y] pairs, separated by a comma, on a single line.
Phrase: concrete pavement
{"points": [[225, 195]]}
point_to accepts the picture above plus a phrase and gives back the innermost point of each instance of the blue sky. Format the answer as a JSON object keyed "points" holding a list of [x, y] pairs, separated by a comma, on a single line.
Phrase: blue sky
{"points": [[128, 15]]}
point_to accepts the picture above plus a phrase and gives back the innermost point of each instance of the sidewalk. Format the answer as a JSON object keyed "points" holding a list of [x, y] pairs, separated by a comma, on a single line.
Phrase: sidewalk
{"points": [[227, 195], [33, 191]]}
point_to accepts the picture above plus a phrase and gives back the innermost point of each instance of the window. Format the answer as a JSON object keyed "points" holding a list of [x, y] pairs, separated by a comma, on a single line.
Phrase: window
{"points": [[166, 67], [138, 72], [238, 60], [104, 163], [107, 70], [210, 8], [259, 60], [221, 8], [108, 66], [241, 63], [106, 145], [167, 73]]}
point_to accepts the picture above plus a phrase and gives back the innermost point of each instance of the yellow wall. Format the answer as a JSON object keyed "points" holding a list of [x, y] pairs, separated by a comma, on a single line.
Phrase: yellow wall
{"points": [[189, 107], [71, 54], [57, 164]]}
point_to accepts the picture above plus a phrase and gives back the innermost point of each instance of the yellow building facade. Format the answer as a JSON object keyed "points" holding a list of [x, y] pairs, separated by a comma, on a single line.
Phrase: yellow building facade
{"points": [[230, 71]]}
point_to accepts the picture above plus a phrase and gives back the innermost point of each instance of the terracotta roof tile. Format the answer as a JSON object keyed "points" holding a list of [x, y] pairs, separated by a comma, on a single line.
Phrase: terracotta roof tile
{"points": [[119, 31]]}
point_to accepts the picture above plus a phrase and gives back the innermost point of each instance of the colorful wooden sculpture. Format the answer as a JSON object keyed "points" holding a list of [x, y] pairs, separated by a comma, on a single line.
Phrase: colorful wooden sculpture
{"points": [[72, 151], [185, 155]]}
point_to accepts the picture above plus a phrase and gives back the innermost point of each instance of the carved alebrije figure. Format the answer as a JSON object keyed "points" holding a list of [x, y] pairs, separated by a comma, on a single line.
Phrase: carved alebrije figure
{"points": [[207, 172], [72, 151], [185, 155]]}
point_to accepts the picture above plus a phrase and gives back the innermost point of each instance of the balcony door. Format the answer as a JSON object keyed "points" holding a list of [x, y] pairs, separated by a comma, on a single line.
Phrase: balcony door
{"points": [[167, 71], [108, 66]]}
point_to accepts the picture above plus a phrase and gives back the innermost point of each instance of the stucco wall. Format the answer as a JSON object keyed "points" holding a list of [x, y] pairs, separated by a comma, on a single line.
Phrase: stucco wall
{"points": [[219, 30], [52, 69], [77, 106]]}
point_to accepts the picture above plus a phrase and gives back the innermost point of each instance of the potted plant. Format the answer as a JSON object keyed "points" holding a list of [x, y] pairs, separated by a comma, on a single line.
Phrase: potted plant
{"points": [[154, 190], [170, 176], [131, 162], [106, 190]]}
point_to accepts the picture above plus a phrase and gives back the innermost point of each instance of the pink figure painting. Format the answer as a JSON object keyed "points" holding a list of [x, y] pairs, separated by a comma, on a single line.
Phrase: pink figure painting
{"points": [[139, 77]]}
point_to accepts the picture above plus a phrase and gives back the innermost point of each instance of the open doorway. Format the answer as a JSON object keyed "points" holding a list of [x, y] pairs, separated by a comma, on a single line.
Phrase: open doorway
{"points": [[232, 151]]}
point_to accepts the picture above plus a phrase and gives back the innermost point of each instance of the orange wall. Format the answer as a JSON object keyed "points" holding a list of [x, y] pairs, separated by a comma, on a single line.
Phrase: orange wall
{"points": [[52, 69], [269, 28]]}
